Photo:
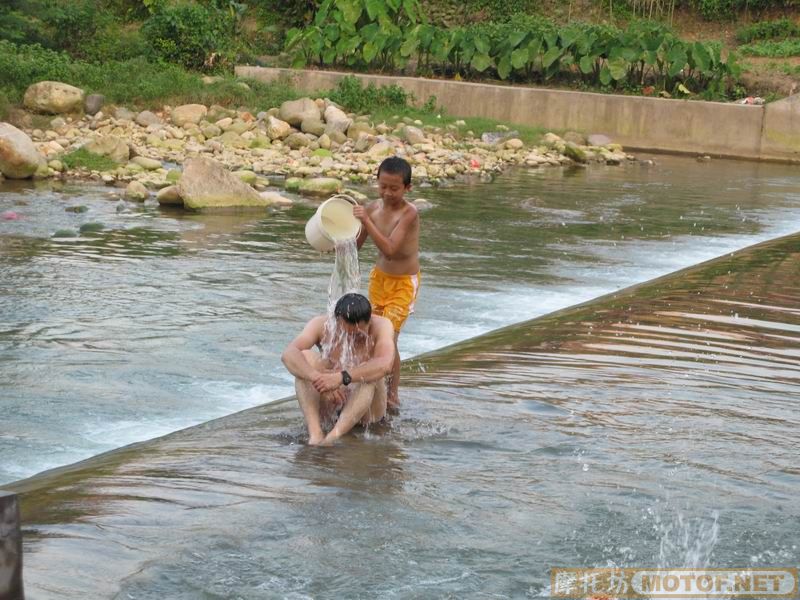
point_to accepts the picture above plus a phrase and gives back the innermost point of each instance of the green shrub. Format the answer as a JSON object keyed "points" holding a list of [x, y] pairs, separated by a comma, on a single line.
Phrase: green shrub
{"points": [[771, 48], [189, 34], [351, 94], [767, 30]]}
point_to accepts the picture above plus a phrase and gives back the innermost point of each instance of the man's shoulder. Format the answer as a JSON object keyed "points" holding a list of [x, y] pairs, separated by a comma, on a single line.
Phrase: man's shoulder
{"points": [[381, 324]]}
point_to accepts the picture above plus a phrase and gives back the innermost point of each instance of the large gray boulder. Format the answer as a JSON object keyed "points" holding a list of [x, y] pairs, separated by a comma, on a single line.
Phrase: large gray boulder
{"points": [[93, 103], [313, 126], [336, 120], [53, 97], [111, 146], [320, 186], [295, 112], [188, 113], [414, 135], [206, 185], [19, 158]]}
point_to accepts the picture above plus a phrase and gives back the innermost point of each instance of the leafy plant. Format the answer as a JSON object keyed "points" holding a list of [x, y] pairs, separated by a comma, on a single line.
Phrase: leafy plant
{"points": [[352, 95], [188, 34], [767, 30], [782, 49]]}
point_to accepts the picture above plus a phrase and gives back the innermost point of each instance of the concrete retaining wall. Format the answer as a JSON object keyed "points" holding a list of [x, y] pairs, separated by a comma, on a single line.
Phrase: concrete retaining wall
{"points": [[770, 132], [10, 548]]}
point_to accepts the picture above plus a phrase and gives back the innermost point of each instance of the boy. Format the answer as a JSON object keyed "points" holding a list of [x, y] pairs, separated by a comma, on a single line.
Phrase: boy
{"points": [[393, 225]]}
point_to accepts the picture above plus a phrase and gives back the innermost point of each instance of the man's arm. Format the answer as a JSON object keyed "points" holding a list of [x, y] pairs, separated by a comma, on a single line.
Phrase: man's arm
{"points": [[382, 359], [293, 357], [388, 245]]}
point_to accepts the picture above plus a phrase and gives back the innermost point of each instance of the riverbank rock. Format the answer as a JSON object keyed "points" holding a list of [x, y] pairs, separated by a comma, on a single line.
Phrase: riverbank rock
{"points": [[207, 186], [188, 113], [93, 104], [54, 97], [111, 146], [170, 196], [336, 119], [146, 118], [136, 191], [277, 129], [295, 112], [19, 158], [319, 186]]}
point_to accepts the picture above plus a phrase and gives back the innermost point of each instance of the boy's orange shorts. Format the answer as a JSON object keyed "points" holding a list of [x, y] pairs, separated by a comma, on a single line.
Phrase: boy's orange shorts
{"points": [[393, 296]]}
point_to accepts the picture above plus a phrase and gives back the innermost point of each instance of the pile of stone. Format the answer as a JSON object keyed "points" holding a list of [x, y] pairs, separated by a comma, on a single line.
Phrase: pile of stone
{"points": [[312, 145]]}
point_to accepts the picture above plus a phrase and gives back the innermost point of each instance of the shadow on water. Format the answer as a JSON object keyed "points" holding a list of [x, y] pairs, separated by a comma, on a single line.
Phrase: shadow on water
{"points": [[651, 427]]}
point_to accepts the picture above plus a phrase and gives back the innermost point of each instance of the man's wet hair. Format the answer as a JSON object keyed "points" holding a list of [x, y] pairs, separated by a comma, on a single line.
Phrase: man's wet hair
{"points": [[353, 308], [396, 166]]}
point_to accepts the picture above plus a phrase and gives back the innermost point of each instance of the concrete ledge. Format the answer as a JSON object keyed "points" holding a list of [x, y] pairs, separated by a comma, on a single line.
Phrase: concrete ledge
{"points": [[10, 548], [770, 132]]}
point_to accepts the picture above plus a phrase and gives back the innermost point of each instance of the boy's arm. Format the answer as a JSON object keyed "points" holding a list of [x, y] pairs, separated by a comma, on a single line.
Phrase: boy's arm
{"points": [[390, 245], [293, 357]]}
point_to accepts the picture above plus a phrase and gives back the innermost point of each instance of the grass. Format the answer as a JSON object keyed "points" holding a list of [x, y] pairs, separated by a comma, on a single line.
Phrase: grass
{"points": [[773, 49], [478, 125], [136, 83], [88, 160]]}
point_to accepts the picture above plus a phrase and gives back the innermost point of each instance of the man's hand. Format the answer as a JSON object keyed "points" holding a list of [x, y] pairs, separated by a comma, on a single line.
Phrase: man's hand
{"points": [[360, 213], [327, 382]]}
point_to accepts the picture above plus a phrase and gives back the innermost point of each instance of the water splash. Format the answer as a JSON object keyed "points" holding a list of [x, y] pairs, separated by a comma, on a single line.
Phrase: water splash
{"points": [[346, 278], [688, 542]]}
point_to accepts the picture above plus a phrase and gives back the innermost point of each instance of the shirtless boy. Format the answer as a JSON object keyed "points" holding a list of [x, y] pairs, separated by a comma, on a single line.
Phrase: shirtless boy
{"points": [[393, 225], [323, 386]]}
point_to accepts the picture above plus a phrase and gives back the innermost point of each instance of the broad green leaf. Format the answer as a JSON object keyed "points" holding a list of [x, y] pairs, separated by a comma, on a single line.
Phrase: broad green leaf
{"points": [[587, 64], [375, 8], [482, 45], [351, 10], [534, 47], [516, 38], [519, 58], [329, 56], [551, 56], [650, 58], [322, 12], [411, 10], [701, 56], [605, 75], [480, 62], [551, 38], [409, 47], [618, 68], [504, 67], [370, 51]]}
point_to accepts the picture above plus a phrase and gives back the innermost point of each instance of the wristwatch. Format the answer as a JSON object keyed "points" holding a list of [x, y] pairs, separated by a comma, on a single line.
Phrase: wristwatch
{"points": [[346, 379]]}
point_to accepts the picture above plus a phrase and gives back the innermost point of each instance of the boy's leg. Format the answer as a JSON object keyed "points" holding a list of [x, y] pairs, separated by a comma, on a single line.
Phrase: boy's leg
{"points": [[392, 400], [353, 410]]}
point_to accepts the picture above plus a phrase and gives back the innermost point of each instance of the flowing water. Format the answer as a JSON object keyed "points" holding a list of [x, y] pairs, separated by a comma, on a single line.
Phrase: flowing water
{"points": [[654, 427]]}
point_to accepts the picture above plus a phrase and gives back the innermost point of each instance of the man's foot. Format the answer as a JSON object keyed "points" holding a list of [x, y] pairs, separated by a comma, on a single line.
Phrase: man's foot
{"points": [[316, 440], [393, 408]]}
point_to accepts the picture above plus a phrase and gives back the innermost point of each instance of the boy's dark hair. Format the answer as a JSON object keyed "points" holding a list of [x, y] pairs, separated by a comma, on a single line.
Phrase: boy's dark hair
{"points": [[353, 308], [396, 166]]}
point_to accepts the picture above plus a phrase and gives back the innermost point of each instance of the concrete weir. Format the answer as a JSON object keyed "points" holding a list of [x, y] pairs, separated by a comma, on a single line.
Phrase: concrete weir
{"points": [[10, 548], [770, 132]]}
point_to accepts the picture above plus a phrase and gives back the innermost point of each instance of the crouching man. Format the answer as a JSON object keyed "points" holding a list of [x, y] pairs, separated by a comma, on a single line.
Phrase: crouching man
{"points": [[348, 375]]}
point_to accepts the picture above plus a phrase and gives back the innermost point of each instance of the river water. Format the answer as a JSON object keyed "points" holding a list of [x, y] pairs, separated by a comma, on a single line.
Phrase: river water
{"points": [[652, 429]]}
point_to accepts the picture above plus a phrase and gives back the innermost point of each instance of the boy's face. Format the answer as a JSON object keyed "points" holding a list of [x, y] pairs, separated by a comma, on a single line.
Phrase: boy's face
{"points": [[391, 187]]}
